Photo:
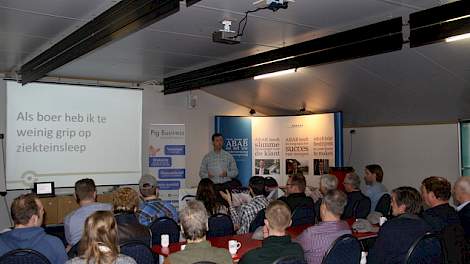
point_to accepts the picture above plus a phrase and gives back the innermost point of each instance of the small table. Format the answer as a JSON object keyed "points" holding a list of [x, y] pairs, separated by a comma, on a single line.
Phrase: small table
{"points": [[247, 243]]}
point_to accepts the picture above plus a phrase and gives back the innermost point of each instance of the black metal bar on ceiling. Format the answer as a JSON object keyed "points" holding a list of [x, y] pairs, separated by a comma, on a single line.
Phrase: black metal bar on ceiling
{"points": [[122, 19], [342, 38], [191, 2], [369, 40], [438, 23]]}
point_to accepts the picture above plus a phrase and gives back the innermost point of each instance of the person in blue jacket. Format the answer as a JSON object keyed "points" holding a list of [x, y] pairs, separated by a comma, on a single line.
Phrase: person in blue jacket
{"points": [[27, 213]]}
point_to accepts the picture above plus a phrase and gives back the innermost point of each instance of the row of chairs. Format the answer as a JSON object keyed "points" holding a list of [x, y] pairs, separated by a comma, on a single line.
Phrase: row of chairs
{"points": [[427, 249], [137, 250], [346, 249]]}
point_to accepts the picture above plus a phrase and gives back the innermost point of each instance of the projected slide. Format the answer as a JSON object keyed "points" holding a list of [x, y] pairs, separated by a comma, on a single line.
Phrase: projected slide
{"points": [[63, 133]]}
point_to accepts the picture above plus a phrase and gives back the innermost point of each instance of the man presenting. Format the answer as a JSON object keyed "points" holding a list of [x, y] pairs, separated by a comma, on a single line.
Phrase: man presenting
{"points": [[218, 165]]}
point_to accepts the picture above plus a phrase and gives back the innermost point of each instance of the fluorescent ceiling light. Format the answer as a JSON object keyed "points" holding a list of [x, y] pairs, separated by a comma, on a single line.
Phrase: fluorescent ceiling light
{"points": [[458, 37], [274, 74]]}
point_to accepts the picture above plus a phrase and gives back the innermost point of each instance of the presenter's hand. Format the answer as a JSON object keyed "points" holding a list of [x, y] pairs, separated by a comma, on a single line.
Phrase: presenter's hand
{"points": [[223, 174], [210, 175], [226, 196]]}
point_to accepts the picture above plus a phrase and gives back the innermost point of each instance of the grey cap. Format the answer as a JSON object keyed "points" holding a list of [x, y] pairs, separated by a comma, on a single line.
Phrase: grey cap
{"points": [[147, 182]]}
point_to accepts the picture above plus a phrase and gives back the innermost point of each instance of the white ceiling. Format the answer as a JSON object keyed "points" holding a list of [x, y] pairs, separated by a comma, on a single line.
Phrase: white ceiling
{"points": [[427, 84]]}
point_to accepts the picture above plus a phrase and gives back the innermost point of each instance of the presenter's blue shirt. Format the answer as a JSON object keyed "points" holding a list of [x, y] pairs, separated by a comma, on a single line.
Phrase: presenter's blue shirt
{"points": [[216, 164], [75, 221], [36, 239]]}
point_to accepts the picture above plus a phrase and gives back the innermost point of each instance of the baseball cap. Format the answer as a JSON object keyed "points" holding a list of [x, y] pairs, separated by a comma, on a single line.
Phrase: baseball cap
{"points": [[147, 181]]}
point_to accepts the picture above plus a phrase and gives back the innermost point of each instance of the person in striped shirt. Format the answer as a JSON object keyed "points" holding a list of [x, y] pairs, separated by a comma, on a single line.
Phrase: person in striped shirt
{"points": [[152, 207], [317, 239]]}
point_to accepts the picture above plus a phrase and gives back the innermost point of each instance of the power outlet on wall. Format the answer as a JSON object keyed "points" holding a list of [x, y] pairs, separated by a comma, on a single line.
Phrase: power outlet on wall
{"points": [[192, 101]]}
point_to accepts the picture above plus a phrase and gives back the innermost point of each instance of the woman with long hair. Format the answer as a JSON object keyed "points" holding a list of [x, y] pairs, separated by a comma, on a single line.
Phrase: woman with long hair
{"points": [[99, 243], [207, 194]]}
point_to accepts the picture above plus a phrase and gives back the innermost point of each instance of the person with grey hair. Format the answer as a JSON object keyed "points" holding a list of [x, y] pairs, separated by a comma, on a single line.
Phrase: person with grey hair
{"points": [[462, 200], [317, 239], [358, 205], [398, 234], [328, 182], [194, 222]]}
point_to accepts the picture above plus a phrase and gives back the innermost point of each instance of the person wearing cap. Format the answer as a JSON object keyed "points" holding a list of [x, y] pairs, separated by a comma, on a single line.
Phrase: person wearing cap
{"points": [[218, 165], [85, 194], [152, 207]]}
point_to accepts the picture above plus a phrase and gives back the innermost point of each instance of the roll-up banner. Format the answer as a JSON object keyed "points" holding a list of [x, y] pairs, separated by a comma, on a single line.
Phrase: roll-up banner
{"points": [[283, 145], [167, 159]]}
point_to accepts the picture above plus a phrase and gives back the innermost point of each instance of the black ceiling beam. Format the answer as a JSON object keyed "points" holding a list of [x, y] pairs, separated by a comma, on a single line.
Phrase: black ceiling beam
{"points": [[369, 40], [342, 38], [191, 2], [122, 19], [438, 23], [347, 52]]}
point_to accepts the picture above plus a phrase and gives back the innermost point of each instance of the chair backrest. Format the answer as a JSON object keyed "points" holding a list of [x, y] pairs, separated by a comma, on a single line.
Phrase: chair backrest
{"points": [[73, 251], [426, 249], [384, 205], [258, 221], [303, 215], [164, 225], [289, 260], [346, 249], [220, 225], [23, 256], [453, 241], [139, 251]]}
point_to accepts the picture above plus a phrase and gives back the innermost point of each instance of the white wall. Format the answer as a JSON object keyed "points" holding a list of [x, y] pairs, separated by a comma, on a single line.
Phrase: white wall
{"points": [[407, 154], [159, 108], [172, 109]]}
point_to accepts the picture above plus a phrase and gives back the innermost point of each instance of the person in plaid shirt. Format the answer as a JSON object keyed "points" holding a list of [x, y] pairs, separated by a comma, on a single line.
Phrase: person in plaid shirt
{"points": [[153, 207], [246, 213]]}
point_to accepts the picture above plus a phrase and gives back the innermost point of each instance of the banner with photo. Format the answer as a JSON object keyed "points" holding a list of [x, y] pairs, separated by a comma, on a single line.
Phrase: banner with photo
{"points": [[167, 159], [286, 145]]}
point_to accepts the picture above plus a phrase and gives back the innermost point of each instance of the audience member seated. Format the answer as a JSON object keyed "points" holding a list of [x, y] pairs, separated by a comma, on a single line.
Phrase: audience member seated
{"points": [[442, 217], [198, 249], [295, 193], [358, 205], [244, 215], [436, 192], [374, 188], [316, 240], [276, 242], [99, 243], [271, 186], [85, 194], [210, 198], [328, 182], [398, 234], [153, 208], [462, 199], [125, 203], [27, 213]]}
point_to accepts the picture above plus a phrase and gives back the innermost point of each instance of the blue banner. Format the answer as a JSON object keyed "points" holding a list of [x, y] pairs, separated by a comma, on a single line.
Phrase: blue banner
{"points": [[168, 185], [238, 142], [175, 150], [159, 162], [171, 173]]}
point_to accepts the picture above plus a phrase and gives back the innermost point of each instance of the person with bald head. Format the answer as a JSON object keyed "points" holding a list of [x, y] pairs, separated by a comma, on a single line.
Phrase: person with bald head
{"points": [[462, 200]]}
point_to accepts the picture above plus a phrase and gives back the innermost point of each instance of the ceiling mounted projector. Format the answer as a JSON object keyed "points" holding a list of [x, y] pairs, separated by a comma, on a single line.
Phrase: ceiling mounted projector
{"points": [[273, 5], [226, 35]]}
